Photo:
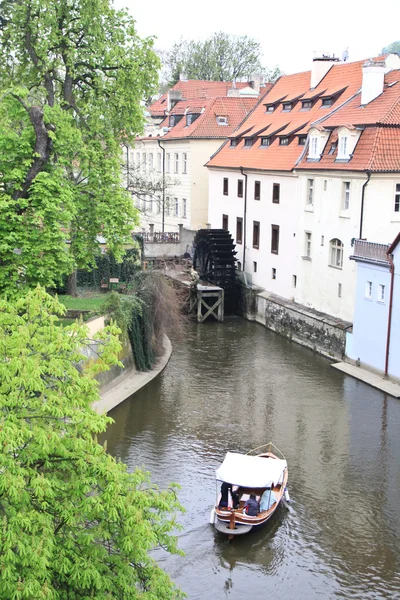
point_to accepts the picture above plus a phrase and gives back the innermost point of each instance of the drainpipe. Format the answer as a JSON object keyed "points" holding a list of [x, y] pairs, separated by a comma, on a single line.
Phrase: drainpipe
{"points": [[362, 203], [244, 219], [390, 313], [163, 186]]}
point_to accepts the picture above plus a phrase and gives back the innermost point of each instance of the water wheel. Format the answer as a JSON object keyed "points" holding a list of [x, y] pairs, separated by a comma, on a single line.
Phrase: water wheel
{"points": [[214, 260]]}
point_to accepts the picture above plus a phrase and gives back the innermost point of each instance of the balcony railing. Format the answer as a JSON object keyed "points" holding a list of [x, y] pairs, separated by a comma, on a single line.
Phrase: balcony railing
{"points": [[159, 237], [370, 251]]}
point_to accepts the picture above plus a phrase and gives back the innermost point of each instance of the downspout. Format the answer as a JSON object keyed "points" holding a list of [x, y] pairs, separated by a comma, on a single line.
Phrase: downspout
{"points": [[390, 313], [163, 186], [362, 203], [244, 219]]}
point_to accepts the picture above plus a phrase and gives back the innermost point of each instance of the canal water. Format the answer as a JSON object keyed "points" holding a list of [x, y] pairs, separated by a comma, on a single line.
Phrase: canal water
{"points": [[235, 386]]}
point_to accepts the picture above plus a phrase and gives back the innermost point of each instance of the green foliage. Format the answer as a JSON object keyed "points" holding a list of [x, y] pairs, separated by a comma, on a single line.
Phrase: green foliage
{"points": [[73, 77], [74, 524], [92, 302], [221, 57], [394, 48]]}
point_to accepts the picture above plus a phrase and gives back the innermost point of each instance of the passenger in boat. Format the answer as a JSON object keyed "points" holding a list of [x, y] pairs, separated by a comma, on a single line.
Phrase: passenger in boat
{"points": [[267, 499], [251, 506], [235, 499], [225, 487]]}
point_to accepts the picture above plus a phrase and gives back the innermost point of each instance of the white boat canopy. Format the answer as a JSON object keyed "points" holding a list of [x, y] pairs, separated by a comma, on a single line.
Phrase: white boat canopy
{"points": [[250, 471]]}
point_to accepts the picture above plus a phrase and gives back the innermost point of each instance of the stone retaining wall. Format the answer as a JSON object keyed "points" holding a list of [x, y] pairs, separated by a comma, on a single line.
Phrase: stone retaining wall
{"points": [[320, 332]]}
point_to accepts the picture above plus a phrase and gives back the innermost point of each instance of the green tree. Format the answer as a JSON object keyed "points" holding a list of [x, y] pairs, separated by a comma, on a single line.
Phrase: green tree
{"points": [[222, 57], [394, 47], [74, 524], [72, 77]]}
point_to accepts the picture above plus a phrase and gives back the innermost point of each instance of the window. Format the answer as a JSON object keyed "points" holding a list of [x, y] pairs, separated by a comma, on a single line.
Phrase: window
{"points": [[240, 188], [314, 146], [184, 162], [239, 230], [286, 107], [302, 140], [176, 207], [275, 192], [327, 101], [325, 185], [171, 121], [265, 141], [310, 192], [184, 208], [270, 108], [248, 142], [368, 290], [225, 221], [257, 190], [256, 234], [339, 290], [294, 280], [381, 292], [150, 162], [332, 149], [274, 239], [168, 162], [234, 142], [322, 240], [225, 186], [343, 147], [144, 162], [397, 198], [346, 195], [137, 159], [336, 253], [222, 120], [273, 274], [255, 267], [307, 248], [159, 162], [190, 118], [150, 204], [283, 141], [306, 104], [167, 206], [176, 163], [158, 207]]}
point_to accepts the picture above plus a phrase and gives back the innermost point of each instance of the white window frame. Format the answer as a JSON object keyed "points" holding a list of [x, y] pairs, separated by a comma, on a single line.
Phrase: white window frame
{"points": [[150, 161], [168, 168], [381, 297], [167, 206], [310, 192], [144, 161], [396, 207], [307, 244], [343, 147], [346, 195], [176, 208], [159, 162], [368, 290], [313, 153], [176, 162], [336, 253], [184, 162], [184, 208]]}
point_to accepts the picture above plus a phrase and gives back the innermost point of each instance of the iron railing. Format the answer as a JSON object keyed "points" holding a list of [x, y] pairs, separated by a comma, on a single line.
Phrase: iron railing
{"points": [[370, 250], [158, 237]]}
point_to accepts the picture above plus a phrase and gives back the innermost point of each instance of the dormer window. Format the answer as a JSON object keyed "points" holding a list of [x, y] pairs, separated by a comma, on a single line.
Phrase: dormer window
{"points": [[171, 121], [222, 120], [314, 147], [286, 107], [270, 108], [284, 141], [343, 145], [302, 140], [190, 118], [327, 101], [265, 141], [306, 104], [248, 142], [347, 141], [234, 142]]}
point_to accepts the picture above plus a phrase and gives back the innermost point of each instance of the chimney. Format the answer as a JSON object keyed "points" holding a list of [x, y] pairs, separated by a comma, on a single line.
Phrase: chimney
{"points": [[173, 98], [320, 67], [373, 74], [255, 81], [183, 76]]}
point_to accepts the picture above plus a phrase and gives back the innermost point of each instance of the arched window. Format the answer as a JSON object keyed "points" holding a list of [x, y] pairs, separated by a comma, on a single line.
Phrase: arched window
{"points": [[336, 253]]}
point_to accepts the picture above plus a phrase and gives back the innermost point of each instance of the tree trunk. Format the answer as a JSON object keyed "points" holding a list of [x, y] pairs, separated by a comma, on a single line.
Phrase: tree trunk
{"points": [[72, 287]]}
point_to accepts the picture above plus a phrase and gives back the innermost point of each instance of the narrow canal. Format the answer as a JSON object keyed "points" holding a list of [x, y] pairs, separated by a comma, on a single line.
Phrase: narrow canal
{"points": [[235, 386]]}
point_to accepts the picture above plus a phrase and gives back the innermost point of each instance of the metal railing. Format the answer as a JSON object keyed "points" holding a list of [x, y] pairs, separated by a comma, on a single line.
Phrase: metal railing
{"points": [[158, 237], [370, 250]]}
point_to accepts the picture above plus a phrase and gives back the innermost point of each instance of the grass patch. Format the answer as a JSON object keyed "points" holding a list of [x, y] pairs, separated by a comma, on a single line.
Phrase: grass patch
{"points": [[93, 302]]}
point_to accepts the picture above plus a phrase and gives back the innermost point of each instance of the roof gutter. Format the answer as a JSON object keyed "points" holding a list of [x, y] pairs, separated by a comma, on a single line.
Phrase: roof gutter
{"points": [[389, 328], [362, 203], [163, 186], [244, 219]]}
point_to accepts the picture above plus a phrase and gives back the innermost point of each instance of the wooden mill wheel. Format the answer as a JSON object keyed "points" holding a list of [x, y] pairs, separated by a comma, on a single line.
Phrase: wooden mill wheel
{"points": [[215, 257]]}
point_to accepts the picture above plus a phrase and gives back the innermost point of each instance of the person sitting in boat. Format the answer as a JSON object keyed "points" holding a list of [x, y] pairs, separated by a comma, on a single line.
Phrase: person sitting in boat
{"points": [[251, 506], [225, 487], [267, 499], [235, 498]]}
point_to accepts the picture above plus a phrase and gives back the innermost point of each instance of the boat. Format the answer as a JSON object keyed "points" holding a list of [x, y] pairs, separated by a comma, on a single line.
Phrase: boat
{"points": [[260, 471]]}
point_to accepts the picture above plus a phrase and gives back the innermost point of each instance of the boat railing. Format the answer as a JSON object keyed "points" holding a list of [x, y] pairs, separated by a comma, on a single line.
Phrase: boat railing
{"points": [[270, 447]]}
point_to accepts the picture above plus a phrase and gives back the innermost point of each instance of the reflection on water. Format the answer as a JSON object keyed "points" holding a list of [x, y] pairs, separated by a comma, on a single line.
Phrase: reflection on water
{"points": [[235, 386]]}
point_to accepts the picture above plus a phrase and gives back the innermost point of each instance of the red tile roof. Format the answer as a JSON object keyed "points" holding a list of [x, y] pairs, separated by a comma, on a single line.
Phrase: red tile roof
{"points": [[196, 89], [343, 80]]}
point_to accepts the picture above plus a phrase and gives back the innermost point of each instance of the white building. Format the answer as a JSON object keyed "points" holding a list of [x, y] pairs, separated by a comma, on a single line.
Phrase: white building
{"points": [[319, 162]]}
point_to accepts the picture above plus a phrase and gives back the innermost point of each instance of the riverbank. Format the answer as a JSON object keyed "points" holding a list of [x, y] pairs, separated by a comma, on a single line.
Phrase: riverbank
{"points": [[130, 382]]}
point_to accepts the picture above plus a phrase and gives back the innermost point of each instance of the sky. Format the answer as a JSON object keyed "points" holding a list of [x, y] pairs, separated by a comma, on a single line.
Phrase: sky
{"points": [[289, 31]]}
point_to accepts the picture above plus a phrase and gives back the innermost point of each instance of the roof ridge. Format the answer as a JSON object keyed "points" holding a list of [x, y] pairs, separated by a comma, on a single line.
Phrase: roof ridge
{"points": [[384, 120], [370, 164]]}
